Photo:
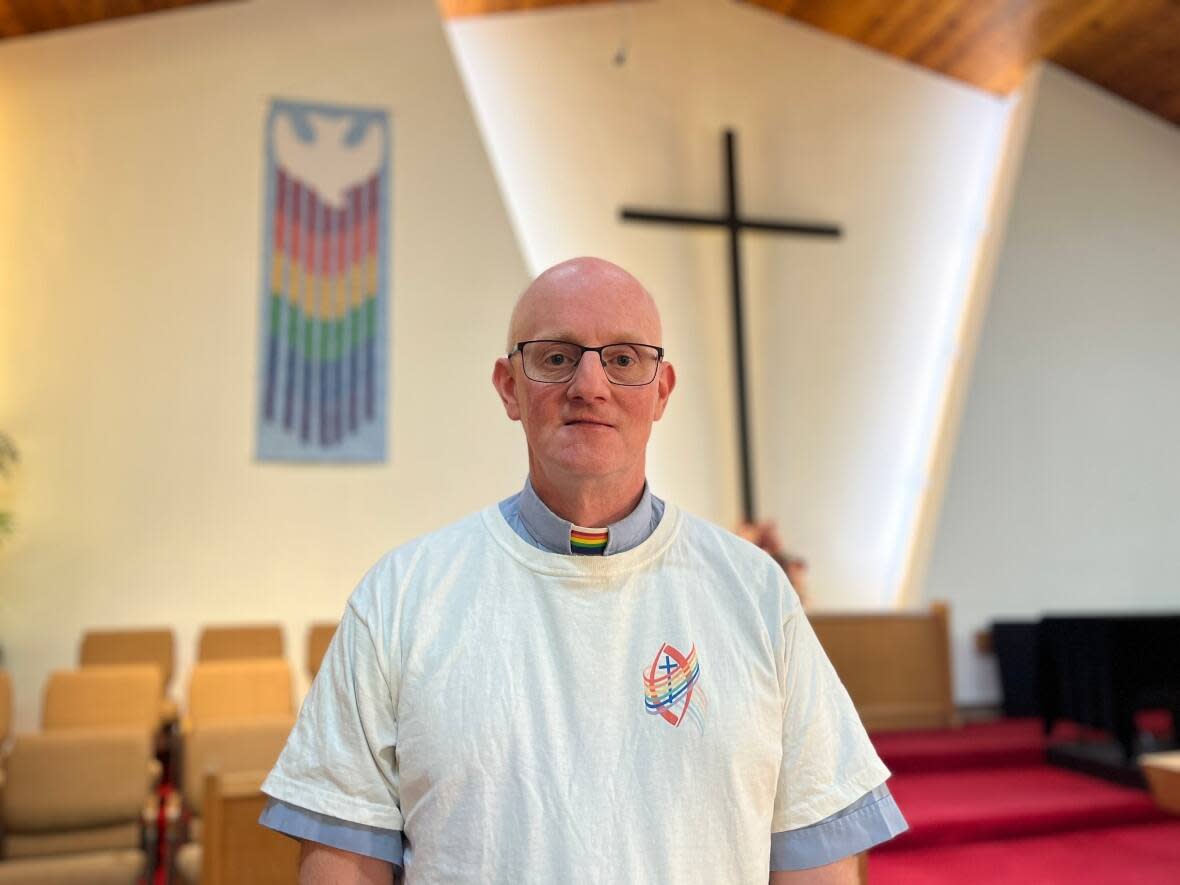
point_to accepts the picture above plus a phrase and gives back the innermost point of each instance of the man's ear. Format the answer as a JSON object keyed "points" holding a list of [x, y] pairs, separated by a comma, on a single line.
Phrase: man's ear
{"points": [[664, 386], [505, 383]]}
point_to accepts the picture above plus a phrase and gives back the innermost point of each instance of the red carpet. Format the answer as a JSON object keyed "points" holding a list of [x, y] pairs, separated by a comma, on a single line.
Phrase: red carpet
{"points": [[953, 807], [1148, 854], [1007, 743], [1013, 742], [984, 809]]}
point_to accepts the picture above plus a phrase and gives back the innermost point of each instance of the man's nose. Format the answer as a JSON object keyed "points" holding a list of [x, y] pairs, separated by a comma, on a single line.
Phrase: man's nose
{"points": [[589, 379]]}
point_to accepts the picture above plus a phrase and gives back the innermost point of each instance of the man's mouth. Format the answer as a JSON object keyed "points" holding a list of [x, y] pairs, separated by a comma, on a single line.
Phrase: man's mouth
{"points": [[587, 422]]}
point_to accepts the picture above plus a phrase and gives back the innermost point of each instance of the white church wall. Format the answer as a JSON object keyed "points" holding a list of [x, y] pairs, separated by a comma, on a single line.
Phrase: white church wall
{"points": [[1063, 486], [853, 340], [132, 180]]}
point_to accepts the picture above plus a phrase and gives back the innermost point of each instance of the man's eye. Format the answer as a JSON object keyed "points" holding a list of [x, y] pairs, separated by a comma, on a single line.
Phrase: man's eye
{"points": [[622, 360], [556, 359]]}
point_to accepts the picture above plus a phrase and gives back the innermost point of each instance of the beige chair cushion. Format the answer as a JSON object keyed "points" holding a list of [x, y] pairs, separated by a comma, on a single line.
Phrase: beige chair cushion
{"points": [[76, 779], [188, 864], [236, 642], [227, 748], [103, 697], [117, 647], [319, 637], [91, 839], [5, 704], [107, 868], [237, 691]]}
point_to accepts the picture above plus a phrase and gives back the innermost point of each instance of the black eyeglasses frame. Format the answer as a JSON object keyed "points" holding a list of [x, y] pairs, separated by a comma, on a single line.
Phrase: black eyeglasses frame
{"points": [[519, 348]]}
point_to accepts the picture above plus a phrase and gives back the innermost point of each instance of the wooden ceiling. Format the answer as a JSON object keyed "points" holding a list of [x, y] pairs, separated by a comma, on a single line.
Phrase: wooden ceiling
{"points": [[20, 17], [1130, 47]]}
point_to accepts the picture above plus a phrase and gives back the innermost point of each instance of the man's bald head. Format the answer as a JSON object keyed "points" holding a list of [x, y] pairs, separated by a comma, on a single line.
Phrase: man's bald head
{"points": [[590, 284], [587, 435]]}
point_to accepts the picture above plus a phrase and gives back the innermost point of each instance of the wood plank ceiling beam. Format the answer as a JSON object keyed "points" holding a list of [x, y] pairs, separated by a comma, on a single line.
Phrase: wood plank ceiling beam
{"points": [[466, 8], [1129, 47], [1133, 50], [21, 17]]}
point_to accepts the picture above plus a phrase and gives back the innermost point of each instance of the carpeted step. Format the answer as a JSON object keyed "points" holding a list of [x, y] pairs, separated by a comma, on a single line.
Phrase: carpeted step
{"points": [[951, 807], [1004, 743], [1146, 854]]}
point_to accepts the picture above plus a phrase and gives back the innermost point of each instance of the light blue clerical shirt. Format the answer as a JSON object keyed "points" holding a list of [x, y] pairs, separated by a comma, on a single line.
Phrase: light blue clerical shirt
{"points": [[870, 820]]}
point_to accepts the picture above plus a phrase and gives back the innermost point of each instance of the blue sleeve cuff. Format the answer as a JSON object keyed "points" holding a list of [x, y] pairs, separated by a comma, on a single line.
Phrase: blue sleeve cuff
{"points": [[300, 823], [870, 820]]}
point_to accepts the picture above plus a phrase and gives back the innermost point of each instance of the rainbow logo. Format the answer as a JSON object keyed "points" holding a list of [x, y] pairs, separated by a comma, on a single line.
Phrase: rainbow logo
{"points": [[670, 687]]}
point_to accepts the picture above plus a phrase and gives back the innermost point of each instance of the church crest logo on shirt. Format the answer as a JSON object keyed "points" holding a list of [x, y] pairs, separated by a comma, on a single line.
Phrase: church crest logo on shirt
{"points": [[671, 687]]}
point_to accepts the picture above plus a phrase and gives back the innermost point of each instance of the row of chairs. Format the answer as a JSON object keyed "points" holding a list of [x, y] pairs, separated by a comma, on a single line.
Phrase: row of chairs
{"points": [[80, 800], [129, 695], [215, 643], [112, 648]]}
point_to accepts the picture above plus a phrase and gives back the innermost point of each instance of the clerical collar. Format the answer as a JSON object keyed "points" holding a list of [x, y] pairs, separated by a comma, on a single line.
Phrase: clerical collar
{"points": [[550, 532]]}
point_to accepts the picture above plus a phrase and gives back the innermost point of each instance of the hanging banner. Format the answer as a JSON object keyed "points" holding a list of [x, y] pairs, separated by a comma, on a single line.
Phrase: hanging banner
{"points": [[325, 306]]}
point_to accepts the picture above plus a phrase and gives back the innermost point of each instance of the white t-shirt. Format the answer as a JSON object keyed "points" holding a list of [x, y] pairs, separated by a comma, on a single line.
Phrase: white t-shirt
{"points": [[530, 717]]}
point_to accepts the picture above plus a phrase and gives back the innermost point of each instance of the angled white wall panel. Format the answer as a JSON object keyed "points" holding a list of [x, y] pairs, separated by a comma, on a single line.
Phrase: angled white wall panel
{"points": [[852, 340]]}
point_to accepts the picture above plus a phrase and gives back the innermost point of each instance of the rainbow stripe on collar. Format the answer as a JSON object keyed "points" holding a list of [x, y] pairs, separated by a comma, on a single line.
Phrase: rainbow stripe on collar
{"points": [[584, 540]]}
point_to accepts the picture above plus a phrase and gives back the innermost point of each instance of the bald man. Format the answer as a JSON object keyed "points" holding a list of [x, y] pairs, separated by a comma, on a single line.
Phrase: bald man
{"points": [[581, 683]]}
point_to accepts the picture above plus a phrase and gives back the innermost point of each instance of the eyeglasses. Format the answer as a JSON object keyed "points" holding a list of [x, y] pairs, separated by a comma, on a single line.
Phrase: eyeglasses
{"points": [[555, 362]]}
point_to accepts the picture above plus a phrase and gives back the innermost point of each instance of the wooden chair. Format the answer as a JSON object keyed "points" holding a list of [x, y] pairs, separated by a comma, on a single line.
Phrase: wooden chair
{"points": [[223, 643], [895, 665], [103, 697], [238, 691], [220, 750], [237, 849], [102, 648], [319, 637], [78, 808], [105, 648]]}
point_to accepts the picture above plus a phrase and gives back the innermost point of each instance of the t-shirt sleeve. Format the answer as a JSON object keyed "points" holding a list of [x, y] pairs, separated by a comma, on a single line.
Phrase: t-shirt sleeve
{"points": [[828, 761], [299, 823], [870, 820], [340, 757]]}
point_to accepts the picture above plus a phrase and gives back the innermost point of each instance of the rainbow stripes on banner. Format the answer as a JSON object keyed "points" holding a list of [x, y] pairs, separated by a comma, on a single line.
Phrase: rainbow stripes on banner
{"points": [[325, 281]]}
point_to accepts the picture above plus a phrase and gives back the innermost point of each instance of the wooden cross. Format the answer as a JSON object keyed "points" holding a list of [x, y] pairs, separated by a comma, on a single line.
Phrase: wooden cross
{"points": [[734, 223]]}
